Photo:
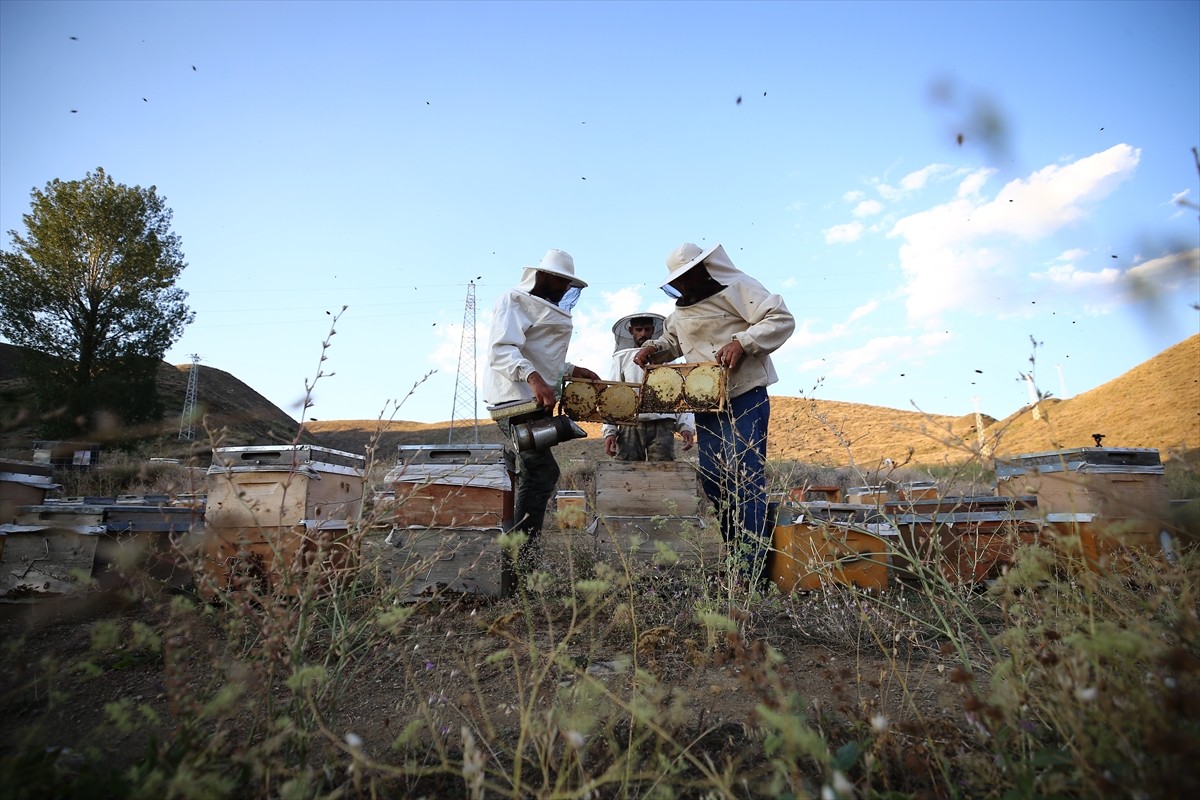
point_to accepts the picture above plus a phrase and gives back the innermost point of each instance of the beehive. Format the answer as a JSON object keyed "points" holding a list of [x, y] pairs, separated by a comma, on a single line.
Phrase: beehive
{"points": [[465, 486], [810, 554], [273, 486]]}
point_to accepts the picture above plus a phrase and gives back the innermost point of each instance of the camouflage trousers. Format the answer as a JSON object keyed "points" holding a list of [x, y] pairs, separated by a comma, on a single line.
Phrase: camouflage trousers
{"points": [[651, 440]]}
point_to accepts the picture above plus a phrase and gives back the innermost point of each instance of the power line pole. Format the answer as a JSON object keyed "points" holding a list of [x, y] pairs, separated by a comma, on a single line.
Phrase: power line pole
{"points": [[187, 422], [465, 401]]}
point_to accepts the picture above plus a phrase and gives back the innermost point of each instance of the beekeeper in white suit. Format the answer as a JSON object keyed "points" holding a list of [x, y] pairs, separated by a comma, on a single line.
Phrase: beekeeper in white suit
{"points": [[527, 358], [652, 438], [724, 315]]}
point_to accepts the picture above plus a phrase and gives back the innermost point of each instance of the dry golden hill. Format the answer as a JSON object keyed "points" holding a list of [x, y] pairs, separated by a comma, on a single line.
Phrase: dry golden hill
{"points": [[1156, 404]]}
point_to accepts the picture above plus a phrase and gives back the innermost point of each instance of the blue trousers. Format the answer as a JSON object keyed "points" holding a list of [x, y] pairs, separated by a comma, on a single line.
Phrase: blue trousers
{"points": [[733, 460]]}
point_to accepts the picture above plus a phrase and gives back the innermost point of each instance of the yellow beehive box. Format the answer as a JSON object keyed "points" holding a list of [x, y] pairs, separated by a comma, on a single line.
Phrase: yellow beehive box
{"points": [[811, 554], [570, 510]]}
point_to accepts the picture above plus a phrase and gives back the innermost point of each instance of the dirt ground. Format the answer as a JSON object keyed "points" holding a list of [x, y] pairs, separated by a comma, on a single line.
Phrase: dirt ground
{"points": [[441, 665]]}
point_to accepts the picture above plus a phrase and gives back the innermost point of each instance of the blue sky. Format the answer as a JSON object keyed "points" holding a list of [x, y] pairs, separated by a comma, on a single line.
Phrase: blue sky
{"points": [[380, 156]]}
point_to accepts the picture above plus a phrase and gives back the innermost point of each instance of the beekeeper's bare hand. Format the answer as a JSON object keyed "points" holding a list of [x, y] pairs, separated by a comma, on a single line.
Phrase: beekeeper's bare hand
{"points": [[642, 357], [689, 439], [730, 354], [610, 445], [542, 391], [584, 373]]}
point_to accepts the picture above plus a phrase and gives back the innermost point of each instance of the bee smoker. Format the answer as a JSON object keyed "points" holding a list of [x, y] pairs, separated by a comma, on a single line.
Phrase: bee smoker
{"points": [[532, 427]]}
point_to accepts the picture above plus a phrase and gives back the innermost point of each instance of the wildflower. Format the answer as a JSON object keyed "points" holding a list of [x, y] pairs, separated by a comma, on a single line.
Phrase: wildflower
{"points": [[879, 723], [1086, 693], [354, 741]]}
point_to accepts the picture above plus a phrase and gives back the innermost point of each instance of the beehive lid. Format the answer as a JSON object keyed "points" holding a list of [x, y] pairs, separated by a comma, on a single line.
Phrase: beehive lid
{"points": [[1082, 459], [287, 457]]}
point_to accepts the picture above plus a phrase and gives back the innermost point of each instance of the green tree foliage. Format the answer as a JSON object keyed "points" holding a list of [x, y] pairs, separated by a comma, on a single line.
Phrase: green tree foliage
{"points": [[90, 290]]}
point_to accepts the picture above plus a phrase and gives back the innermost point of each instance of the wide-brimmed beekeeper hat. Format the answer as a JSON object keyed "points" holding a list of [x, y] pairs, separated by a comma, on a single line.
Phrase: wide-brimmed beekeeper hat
{"points": [[687, 256], [559, 262], [624, 339]]}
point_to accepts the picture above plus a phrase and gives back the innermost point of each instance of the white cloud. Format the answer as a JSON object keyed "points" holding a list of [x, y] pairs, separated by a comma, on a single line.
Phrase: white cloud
{"points": [[917, 180], [1067, 276], [853, 196], [868, 208], [1169, 273], [973, 184], [863, 310], [1072, 255], [850, 232], [957, 255]]}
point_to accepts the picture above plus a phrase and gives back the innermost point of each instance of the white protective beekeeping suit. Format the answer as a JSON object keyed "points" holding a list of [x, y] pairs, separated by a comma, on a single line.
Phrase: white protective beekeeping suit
{"points": [[623, 369], [514, 352], [744, 310]]}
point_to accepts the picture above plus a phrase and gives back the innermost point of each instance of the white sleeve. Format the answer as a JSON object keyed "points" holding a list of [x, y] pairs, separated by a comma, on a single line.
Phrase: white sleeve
{"points": [[509, 326]]}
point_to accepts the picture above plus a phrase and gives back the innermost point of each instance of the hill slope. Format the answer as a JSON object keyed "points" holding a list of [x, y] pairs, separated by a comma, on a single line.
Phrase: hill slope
{"points": [[1156, 404], [234, 413]]}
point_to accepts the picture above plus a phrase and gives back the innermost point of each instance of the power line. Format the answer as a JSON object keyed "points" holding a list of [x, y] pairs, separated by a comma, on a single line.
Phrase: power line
{"points": [[465, 401], [187, 422]]}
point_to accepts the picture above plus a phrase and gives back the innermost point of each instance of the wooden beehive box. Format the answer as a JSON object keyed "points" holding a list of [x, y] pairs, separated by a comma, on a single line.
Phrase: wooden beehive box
{"points": [[22, 483], [430, 561], [50, 545], [450, 487], [678, 388], [651, 488], [282, 486], [967, 539], [661, 540], [1110, 481], [810, 554], [1105, 544], [277, 560]]}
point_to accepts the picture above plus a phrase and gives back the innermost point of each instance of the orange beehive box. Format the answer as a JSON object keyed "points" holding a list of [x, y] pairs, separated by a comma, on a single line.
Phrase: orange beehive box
{"points": [[1106, 544], [811, 554], [967, 539], [450, 487]]}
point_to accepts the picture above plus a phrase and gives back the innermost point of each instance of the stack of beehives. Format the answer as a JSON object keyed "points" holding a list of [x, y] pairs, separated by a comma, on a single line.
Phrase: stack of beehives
{"points": [[279, 519], [54, 546], [646, 510], [451, 503], [1106, 504]]}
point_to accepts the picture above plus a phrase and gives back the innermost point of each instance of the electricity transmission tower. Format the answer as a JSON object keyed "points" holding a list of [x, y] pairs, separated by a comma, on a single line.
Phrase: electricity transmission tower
{"points": [[465, 402], [187, 422]]}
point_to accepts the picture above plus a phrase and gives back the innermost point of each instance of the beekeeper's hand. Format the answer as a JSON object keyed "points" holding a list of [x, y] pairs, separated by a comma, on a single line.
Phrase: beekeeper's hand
{"points": [[610, 445], [642, 357], [542, 391], [689, 439], [730, 354], [584, 373]]}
